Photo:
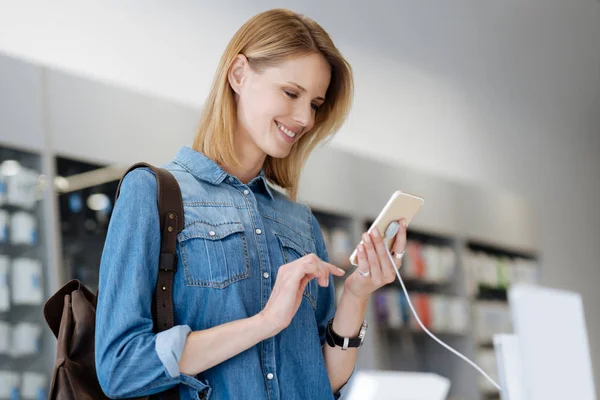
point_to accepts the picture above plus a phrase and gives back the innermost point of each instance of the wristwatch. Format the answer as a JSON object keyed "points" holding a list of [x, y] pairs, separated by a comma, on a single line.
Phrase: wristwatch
{"points": [[333, 339]]}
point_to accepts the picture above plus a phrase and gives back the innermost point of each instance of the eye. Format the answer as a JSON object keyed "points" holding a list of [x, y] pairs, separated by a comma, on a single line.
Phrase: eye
{"points": [[315, 107], [291, 95]]}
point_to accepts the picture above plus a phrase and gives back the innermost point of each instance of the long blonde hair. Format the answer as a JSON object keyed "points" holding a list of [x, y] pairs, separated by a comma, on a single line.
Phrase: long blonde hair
{"points": [[265, 40]]}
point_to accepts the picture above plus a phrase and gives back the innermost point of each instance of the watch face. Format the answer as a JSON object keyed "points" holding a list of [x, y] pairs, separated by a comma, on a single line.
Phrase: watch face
{"points": [[363, 330]]}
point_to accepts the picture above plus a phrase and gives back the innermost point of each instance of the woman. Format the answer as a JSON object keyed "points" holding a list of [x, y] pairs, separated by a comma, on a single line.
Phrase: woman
{"points": [[253, 293]]}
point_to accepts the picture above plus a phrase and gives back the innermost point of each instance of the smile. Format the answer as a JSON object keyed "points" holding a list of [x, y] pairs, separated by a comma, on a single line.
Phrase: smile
{"points": [[285, 130]]}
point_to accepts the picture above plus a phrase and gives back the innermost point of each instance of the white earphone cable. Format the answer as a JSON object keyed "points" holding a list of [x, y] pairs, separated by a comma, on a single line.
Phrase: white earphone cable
{"points": [[431, 334]]}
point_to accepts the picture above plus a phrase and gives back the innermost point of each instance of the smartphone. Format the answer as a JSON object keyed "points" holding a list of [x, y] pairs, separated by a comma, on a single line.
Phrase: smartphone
{"points": [[400, 205]]}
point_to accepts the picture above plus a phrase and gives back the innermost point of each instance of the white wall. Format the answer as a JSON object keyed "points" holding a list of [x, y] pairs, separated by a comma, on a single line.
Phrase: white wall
{"points": [[499, 93]]}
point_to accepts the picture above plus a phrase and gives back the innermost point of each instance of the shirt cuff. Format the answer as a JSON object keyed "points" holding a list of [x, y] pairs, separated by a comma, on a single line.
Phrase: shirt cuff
{"points": [[169, 346]]}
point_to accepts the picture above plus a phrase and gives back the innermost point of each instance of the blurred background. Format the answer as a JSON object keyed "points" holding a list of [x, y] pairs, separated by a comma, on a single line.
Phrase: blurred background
{"points": [[488, 110]]}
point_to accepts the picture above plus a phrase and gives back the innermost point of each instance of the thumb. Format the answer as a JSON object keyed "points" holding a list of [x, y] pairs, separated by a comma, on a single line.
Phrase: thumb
{"points": [[304, 282]]}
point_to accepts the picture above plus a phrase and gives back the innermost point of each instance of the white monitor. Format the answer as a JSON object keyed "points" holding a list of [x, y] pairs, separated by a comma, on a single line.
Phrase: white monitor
{"points": [[552, 345], [510, 369], [395, 385]]}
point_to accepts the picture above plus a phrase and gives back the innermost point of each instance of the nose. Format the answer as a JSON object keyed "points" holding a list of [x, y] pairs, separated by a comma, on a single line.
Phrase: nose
{"points": [[304, 115]]}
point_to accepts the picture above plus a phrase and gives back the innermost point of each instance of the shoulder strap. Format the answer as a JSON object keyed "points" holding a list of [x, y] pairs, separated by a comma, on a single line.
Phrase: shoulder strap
{"points": [[170, 212]]}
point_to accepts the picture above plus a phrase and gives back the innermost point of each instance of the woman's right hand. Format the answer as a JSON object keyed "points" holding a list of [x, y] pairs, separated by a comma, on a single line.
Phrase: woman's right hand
{"points": [[291, 281]]}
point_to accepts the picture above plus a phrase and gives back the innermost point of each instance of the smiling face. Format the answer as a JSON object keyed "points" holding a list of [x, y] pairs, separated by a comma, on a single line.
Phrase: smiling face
{"points": [[278, 105]]}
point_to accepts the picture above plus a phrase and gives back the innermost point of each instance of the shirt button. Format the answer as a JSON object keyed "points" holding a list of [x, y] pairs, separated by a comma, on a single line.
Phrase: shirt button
{"points": [[230, 179], [258, 231], [211, 233], [269, 376], [266, 275], [246, 192]]}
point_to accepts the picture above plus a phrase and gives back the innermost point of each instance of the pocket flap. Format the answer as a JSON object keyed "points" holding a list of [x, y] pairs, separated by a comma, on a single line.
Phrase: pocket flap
{"points": [[208, 231], [289, 243]]}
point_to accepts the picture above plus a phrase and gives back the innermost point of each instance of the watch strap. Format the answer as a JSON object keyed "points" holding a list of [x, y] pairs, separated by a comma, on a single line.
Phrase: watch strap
{"points": [[333, 339]]}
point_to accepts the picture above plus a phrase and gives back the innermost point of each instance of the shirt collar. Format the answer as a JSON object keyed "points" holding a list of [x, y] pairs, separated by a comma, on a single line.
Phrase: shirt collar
{"points": [[209, 171]]}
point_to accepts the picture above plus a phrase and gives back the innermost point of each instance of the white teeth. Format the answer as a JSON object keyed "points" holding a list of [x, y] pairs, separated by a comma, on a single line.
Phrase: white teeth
{"points": [[287, 132]]}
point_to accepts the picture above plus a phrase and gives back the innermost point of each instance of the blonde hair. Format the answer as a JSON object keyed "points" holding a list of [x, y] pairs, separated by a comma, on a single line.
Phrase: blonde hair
{"points": [[265, 40]]}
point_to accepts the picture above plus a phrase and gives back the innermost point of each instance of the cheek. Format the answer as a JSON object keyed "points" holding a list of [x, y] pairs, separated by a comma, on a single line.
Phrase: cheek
{"points": [[258, 109], [270, 105], [249, 111], [250, 106]]}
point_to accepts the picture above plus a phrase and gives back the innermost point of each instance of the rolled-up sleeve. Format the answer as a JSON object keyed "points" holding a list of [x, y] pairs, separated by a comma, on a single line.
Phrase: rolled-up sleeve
{"points": [[169, 346], [131, 360], [326, 303]]}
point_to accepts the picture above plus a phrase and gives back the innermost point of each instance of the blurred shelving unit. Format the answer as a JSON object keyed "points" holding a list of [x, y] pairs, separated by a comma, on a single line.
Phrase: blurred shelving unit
{"points": [[84, 217], [490, 270], [23, 268]]}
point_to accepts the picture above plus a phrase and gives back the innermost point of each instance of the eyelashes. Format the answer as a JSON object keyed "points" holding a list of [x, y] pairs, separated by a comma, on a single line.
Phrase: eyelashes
{"points": [[291, 95], [294, 96]]}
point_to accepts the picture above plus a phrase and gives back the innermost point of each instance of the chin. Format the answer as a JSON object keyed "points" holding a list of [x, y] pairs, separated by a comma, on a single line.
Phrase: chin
{"points": [[275, 149], [278, 153]]}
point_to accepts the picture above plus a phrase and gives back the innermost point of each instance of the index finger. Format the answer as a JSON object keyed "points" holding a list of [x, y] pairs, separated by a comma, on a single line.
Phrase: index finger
{"points": [[326, 269], [332, 269]]}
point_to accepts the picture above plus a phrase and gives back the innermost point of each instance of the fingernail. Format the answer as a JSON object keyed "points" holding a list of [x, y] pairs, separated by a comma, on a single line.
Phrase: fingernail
{"points": [[375, 233], [361, 249], [341, 271], [404, 223], [366, 238]]}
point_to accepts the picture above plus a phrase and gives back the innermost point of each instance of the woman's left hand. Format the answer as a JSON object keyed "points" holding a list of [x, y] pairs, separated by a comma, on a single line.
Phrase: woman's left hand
{"points": [[374, 262]]}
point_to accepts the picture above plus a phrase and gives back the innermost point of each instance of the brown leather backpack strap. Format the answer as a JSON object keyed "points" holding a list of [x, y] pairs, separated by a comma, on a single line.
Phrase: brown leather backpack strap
{"points": [[170, 211]]}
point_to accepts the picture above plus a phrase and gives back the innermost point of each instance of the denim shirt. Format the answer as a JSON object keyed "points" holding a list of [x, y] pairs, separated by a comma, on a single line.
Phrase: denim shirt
{"points": [[236, 236]]}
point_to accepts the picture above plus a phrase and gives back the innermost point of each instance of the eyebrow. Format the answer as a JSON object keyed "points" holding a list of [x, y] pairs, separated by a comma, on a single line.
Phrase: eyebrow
{"points": [[304, 90]]}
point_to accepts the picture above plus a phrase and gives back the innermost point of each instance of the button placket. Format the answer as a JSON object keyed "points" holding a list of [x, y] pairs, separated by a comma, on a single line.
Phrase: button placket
{"points": [[268, 345]]}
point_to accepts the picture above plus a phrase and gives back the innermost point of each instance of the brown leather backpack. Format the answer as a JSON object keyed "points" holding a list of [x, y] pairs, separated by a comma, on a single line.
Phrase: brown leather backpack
{"points": [[71, 311]]}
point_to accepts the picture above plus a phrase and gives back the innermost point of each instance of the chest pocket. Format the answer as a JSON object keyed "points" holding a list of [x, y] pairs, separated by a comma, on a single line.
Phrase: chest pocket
{"points": [[214, 255], [292, 251]]}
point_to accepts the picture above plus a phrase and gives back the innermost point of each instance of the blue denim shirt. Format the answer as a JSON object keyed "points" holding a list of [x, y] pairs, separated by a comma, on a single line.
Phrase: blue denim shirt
{"points": [[235, 238]]}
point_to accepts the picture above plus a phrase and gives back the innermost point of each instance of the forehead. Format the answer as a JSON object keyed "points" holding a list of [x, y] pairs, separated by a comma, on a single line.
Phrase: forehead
{"points": [[312, 72]]}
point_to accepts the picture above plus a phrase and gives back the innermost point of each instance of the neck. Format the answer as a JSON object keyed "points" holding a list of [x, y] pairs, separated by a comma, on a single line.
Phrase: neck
{"points": [[251, 159]]}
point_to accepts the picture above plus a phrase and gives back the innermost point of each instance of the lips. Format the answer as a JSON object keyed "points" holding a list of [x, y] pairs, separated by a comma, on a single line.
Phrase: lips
{"points": [[286, 135], [285, 129]]}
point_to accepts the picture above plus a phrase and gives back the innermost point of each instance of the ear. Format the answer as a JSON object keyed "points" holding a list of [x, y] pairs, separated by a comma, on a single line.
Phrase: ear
{"points": [[237, 72]]}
